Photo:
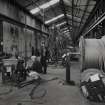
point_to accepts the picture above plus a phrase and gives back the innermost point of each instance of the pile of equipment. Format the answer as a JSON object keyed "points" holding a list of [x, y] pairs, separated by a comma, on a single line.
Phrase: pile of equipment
{"points": [[93, 68], [13, 70], [93, 85]]}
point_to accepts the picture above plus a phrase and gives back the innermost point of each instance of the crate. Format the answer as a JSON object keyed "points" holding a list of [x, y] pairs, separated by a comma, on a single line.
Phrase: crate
{"points": [[7, 69], [9, 62]]}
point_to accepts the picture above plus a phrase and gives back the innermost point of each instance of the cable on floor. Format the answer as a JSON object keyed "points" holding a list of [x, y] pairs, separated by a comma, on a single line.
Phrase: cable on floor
{"points": [[7, 92]]}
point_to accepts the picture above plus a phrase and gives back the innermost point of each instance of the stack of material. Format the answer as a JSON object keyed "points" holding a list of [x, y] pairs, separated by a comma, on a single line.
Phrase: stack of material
{"points": [[9, 65], [93, 85]]}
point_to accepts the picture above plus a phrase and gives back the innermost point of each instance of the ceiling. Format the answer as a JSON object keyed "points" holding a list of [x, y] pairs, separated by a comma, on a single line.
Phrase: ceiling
{"points": [[67, 15]]}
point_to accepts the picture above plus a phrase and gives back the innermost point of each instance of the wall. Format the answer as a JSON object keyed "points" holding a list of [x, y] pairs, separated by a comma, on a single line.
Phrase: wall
{"points": [[21, 39], [14, 36], [15, 13]]}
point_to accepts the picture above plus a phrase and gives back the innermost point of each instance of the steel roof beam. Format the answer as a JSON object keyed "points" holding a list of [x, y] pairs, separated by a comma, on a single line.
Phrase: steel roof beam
{"points": [[90, 17], [63, 26], [12, 21], [64, 11], [70, 7], [86, 7], [13, 2], [32, 2]]}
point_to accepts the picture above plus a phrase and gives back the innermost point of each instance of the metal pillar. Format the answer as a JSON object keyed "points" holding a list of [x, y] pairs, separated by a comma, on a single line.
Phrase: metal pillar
{"points": [[1, 36], [25, 42], [72, 20], [68, 73], [67, 69]]}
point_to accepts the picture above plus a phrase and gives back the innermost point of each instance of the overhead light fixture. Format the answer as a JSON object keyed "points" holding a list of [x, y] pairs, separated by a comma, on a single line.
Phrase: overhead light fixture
{"points": [[44, 6], [65, 31], [54, 19], [34, 11], [58, 25]]}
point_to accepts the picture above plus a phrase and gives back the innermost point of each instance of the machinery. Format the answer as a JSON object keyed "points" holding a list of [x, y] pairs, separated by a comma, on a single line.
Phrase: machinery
{"points": [[13, 71], [93, 69]]}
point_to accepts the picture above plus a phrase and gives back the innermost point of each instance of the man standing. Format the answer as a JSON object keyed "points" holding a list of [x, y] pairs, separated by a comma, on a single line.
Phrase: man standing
{"points": [[44, 54]]}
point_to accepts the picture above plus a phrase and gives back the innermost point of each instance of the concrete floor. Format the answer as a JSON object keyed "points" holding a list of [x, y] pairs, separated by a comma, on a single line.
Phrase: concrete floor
{"points": [[51, 92]]}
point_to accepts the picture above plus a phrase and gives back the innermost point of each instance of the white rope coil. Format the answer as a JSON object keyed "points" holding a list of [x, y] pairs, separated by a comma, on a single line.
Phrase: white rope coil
{"points": [[92, 53], [89, 72]]}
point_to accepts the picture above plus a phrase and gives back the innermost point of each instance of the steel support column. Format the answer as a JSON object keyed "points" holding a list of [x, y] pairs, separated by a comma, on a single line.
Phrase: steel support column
{"points": [[72, 20], [1, 37]]}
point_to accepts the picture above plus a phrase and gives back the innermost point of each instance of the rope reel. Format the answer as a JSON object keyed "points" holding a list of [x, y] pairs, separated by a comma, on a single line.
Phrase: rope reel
{"points": [[92, 53], [88, 72]]}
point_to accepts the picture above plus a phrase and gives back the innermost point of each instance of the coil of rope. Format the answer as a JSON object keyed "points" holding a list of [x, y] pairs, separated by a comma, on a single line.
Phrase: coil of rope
{"points": [[87, 73], [92, 53]]}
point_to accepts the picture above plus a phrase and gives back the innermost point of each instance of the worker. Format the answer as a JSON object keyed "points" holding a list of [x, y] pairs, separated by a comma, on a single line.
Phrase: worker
{"points": [[34, 65], [20, 70], [68, 67], [37, 65], [44, 57], [33, 51], [30, 63]]}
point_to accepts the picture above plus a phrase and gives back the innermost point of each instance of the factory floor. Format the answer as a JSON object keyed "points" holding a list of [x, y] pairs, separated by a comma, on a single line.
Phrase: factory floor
{"points": [[52, 91]]}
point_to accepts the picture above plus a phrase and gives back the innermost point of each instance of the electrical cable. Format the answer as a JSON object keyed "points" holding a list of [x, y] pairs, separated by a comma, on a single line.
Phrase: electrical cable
{"points": [[30, 101], [7, 92], [31, 94], [55, 78], [43, 91], [34, 99], [33, 90], [92, 53]]}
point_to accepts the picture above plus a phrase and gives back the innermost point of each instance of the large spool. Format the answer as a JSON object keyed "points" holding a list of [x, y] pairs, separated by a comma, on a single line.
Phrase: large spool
{"points": [[92, 53]]}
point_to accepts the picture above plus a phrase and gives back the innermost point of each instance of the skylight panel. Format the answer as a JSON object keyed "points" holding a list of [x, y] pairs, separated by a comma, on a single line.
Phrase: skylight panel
{"points": [[34, 11], [65, 31], [44, 6], [58, 25], [54, 19], [48, 4]]}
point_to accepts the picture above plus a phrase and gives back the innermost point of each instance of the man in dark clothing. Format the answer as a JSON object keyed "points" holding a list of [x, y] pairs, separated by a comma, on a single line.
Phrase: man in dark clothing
{"points": [[34, 65], [37, 53], [37, 66], [33, 51], [44, 57], [20, 71]]}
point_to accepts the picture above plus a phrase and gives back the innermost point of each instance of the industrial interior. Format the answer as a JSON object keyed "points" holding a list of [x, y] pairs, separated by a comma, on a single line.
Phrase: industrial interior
{"points": [[52, 52]]}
